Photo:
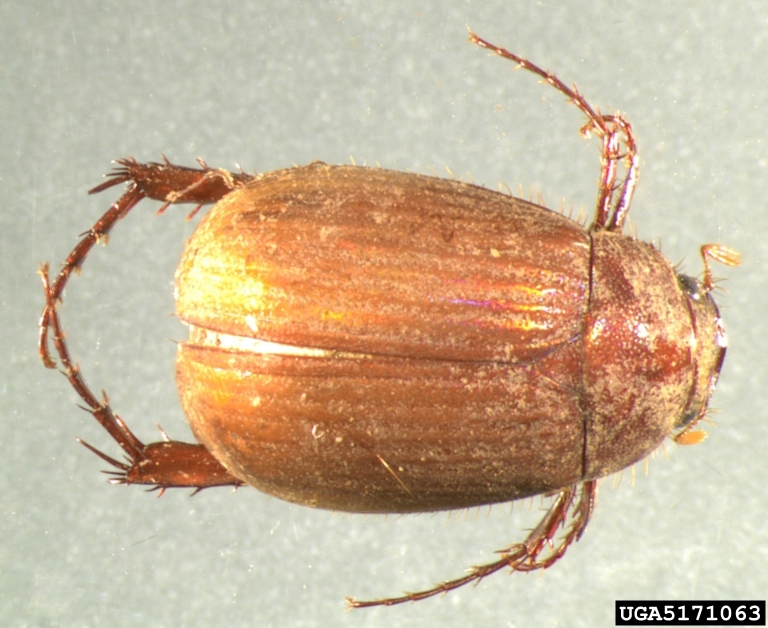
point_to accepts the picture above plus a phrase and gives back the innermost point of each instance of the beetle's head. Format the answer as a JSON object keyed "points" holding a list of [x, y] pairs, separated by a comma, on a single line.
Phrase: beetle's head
{"points": [[708, 345]]}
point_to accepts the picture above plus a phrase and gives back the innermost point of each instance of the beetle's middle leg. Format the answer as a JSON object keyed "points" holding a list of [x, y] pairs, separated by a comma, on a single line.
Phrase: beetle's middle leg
{"points": [[619, 145], [521, 556]]}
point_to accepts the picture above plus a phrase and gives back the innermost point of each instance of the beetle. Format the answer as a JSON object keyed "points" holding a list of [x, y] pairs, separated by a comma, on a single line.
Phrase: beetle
{"points": [[375, 341]]}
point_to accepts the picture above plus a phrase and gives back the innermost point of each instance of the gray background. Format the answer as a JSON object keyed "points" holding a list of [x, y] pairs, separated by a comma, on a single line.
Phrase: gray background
{"points": [[266, 85]]}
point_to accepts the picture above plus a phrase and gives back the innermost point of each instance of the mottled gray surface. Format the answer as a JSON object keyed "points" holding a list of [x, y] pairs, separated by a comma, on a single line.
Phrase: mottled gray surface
{"points": [[265, 85]]}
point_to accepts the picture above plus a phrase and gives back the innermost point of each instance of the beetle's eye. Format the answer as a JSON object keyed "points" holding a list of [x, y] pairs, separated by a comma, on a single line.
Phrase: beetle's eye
{"points": [[691, 286], [689, 416]]}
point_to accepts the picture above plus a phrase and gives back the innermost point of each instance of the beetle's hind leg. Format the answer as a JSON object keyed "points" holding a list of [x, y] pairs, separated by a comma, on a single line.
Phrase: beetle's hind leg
{"points": [[175, 184], [164, 182], [523, 556], [162, 465]]}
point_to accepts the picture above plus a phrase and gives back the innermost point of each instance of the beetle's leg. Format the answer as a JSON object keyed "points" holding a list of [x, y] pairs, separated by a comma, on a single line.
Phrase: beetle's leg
{"points": [[162, 465], [619, 125], [159, 181], [99, 231], [175, 184], [613, 200], [521, 556]]}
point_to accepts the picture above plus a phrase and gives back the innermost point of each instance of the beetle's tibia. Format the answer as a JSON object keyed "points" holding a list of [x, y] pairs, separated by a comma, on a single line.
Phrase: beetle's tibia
{"points": [[170, 464], [175, 184]]}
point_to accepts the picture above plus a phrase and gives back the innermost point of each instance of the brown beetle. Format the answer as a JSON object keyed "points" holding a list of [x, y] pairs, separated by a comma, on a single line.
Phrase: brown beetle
{"points": [[374, 341]]}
